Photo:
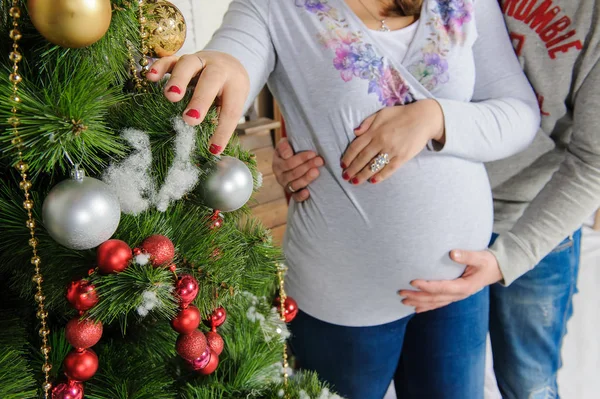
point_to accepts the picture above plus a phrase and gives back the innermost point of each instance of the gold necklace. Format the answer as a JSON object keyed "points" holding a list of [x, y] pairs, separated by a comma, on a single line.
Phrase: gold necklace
{"points": [[384, 27]]}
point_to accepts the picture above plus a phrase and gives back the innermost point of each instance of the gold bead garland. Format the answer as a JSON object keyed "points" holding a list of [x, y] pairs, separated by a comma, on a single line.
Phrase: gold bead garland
{"points": [[133, 69], [281, 269], [141, 84], [25, 185]]}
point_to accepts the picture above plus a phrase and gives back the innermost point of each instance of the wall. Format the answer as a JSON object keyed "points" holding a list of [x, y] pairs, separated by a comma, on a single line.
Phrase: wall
{"points": [[203, 17]]}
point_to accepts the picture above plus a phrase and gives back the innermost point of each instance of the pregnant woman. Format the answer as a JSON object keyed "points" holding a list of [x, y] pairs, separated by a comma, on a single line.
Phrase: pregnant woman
{"points": [[409, 97]]}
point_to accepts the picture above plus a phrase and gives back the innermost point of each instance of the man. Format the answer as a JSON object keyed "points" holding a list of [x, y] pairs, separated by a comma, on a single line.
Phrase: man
{"points": [[541, 198]]}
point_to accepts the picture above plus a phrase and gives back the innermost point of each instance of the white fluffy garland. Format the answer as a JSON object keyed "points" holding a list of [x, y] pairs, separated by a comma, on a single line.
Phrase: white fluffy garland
{"points": [[183, 174], [149, 302], [259, 180], [325, 394], [132, 180], [271, 324]]}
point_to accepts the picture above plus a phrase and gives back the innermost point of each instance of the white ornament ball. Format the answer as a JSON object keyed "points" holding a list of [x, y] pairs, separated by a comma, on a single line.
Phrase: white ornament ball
{"points": [[227, 186], [81, 212]]}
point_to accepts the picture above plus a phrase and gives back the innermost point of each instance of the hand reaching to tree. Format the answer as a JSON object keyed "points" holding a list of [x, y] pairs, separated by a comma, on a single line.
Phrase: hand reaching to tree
{"points": [[220, 78]]}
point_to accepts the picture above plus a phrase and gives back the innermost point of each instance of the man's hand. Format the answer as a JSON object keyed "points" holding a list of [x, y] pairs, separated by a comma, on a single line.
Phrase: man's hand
{"points": [[295, 172], [482, 270]]}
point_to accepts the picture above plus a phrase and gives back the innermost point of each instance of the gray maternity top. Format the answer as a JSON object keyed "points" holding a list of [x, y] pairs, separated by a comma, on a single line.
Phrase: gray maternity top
{"points": [[350, 249]]}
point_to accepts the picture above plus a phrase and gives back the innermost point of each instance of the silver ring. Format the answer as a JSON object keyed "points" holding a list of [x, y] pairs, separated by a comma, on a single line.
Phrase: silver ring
{"points": [[379, 162], [290, 189], [201, 62]]}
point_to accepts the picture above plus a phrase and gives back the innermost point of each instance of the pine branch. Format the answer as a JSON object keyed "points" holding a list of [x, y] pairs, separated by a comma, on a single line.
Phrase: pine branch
{"points": [[16, 381], [67, 115], [307, 382], [122, 294], [263, 259], [126, 375], [155, 340], [16, 376]]}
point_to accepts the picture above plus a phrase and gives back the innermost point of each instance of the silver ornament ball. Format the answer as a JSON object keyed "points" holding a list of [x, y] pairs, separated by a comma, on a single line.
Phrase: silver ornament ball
{"points": [[81, 212], [227, 186]]}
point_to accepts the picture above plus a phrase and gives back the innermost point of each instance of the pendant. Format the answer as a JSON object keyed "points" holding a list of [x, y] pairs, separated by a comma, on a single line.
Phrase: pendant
{"points": [[384, 27]]}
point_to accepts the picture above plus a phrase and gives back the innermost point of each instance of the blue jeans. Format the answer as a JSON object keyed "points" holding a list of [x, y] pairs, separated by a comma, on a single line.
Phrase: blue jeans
{"points": [[528, 321], [434, 355]]}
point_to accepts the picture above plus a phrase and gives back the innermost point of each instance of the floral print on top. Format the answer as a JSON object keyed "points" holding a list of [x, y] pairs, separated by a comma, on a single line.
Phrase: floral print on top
{"points": [[356, 59], [447, 22]]}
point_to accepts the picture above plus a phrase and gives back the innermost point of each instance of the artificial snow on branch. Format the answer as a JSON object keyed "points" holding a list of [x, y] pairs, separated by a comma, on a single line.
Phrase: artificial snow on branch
{"points": [[183, 174], [132, 178]]}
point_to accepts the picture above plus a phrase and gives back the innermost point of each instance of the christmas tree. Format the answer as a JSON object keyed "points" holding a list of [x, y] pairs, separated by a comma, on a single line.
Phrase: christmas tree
{"points": [[129, 266]]}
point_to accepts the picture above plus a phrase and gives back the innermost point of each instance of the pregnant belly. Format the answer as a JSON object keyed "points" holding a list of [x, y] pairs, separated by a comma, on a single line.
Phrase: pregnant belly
{"points": [[358, 246]]}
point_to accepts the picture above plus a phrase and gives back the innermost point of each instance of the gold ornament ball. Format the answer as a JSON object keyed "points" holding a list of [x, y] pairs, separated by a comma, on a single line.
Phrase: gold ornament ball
{"points": [[166, 27], [71, 23]]}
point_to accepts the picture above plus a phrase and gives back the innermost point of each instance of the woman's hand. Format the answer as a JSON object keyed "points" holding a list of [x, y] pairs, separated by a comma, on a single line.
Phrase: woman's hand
{"points": [[221, 78], [294, 172], [402, 132]]}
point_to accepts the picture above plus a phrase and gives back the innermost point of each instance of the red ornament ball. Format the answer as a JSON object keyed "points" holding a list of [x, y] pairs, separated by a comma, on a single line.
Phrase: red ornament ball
{"points": [[83, 334], [186, 289], [202, 361], [212, 365], [160, 249], [190, 346], [81, 365], [81, 294], [290, 308], [68, 390], [217, 318], [113, 256], [215, 342], [187, 320]]}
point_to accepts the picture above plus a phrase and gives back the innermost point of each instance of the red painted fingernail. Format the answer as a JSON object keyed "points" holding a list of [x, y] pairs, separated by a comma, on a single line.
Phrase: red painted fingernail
{"points": [[345, 176], [373, 180], [153, 70], [215, 149], [175, 89], [193, 113], [343, 165], [355, 180]]}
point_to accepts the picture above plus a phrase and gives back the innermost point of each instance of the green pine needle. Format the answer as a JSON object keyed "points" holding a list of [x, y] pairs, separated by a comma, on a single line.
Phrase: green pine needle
{"points": [[16, 376], [121, 294]]}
